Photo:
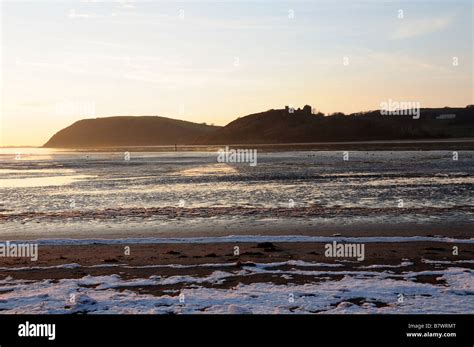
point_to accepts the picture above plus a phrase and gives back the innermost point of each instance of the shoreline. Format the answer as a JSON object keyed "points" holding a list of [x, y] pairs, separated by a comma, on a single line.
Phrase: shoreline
{"points": [[212, 228], [368, 145]]}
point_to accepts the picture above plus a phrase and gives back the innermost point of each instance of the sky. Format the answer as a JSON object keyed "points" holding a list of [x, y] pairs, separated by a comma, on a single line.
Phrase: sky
{"points": [[214, 61]]}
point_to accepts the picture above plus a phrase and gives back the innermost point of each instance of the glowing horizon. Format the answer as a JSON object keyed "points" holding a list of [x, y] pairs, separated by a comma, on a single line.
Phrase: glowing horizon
{"points": [[215, 62]]}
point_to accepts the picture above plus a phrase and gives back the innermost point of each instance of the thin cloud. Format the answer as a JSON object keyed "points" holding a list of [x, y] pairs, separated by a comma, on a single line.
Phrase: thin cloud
{"points": [[420, 27], [404, 62]]}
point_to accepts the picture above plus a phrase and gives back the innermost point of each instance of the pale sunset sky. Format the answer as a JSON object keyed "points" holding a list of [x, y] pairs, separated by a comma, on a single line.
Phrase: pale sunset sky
{"points": [[214, 61]]}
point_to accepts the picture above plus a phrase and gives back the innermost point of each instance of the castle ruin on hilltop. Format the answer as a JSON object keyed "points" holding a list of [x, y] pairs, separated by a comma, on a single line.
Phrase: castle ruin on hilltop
{"points": [[306, 111]]}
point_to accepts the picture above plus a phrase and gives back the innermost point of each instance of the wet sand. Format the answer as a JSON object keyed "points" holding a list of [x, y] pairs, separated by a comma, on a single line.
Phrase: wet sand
{"points": [[144, 260]]}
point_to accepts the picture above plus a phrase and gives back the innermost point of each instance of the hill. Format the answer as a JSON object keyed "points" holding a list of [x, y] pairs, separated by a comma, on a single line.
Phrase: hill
{"points": [[301, 126], [128, 131]]}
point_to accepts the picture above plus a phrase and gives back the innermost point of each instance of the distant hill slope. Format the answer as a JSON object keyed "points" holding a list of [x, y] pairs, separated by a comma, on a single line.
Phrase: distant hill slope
{"points": [[280, 126], [128, 131]]}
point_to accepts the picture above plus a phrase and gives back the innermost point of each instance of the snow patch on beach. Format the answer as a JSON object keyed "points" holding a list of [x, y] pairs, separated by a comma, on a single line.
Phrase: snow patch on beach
{"points": [[369, 292], [300, 263], [382, 266]]}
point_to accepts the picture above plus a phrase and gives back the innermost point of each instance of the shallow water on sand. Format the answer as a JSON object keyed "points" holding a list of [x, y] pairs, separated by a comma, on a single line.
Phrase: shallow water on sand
{"points": [[56, 183]]}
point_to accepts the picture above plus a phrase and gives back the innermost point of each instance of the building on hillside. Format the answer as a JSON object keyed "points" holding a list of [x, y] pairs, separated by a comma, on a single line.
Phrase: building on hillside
{"points": [[307, 110]]}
